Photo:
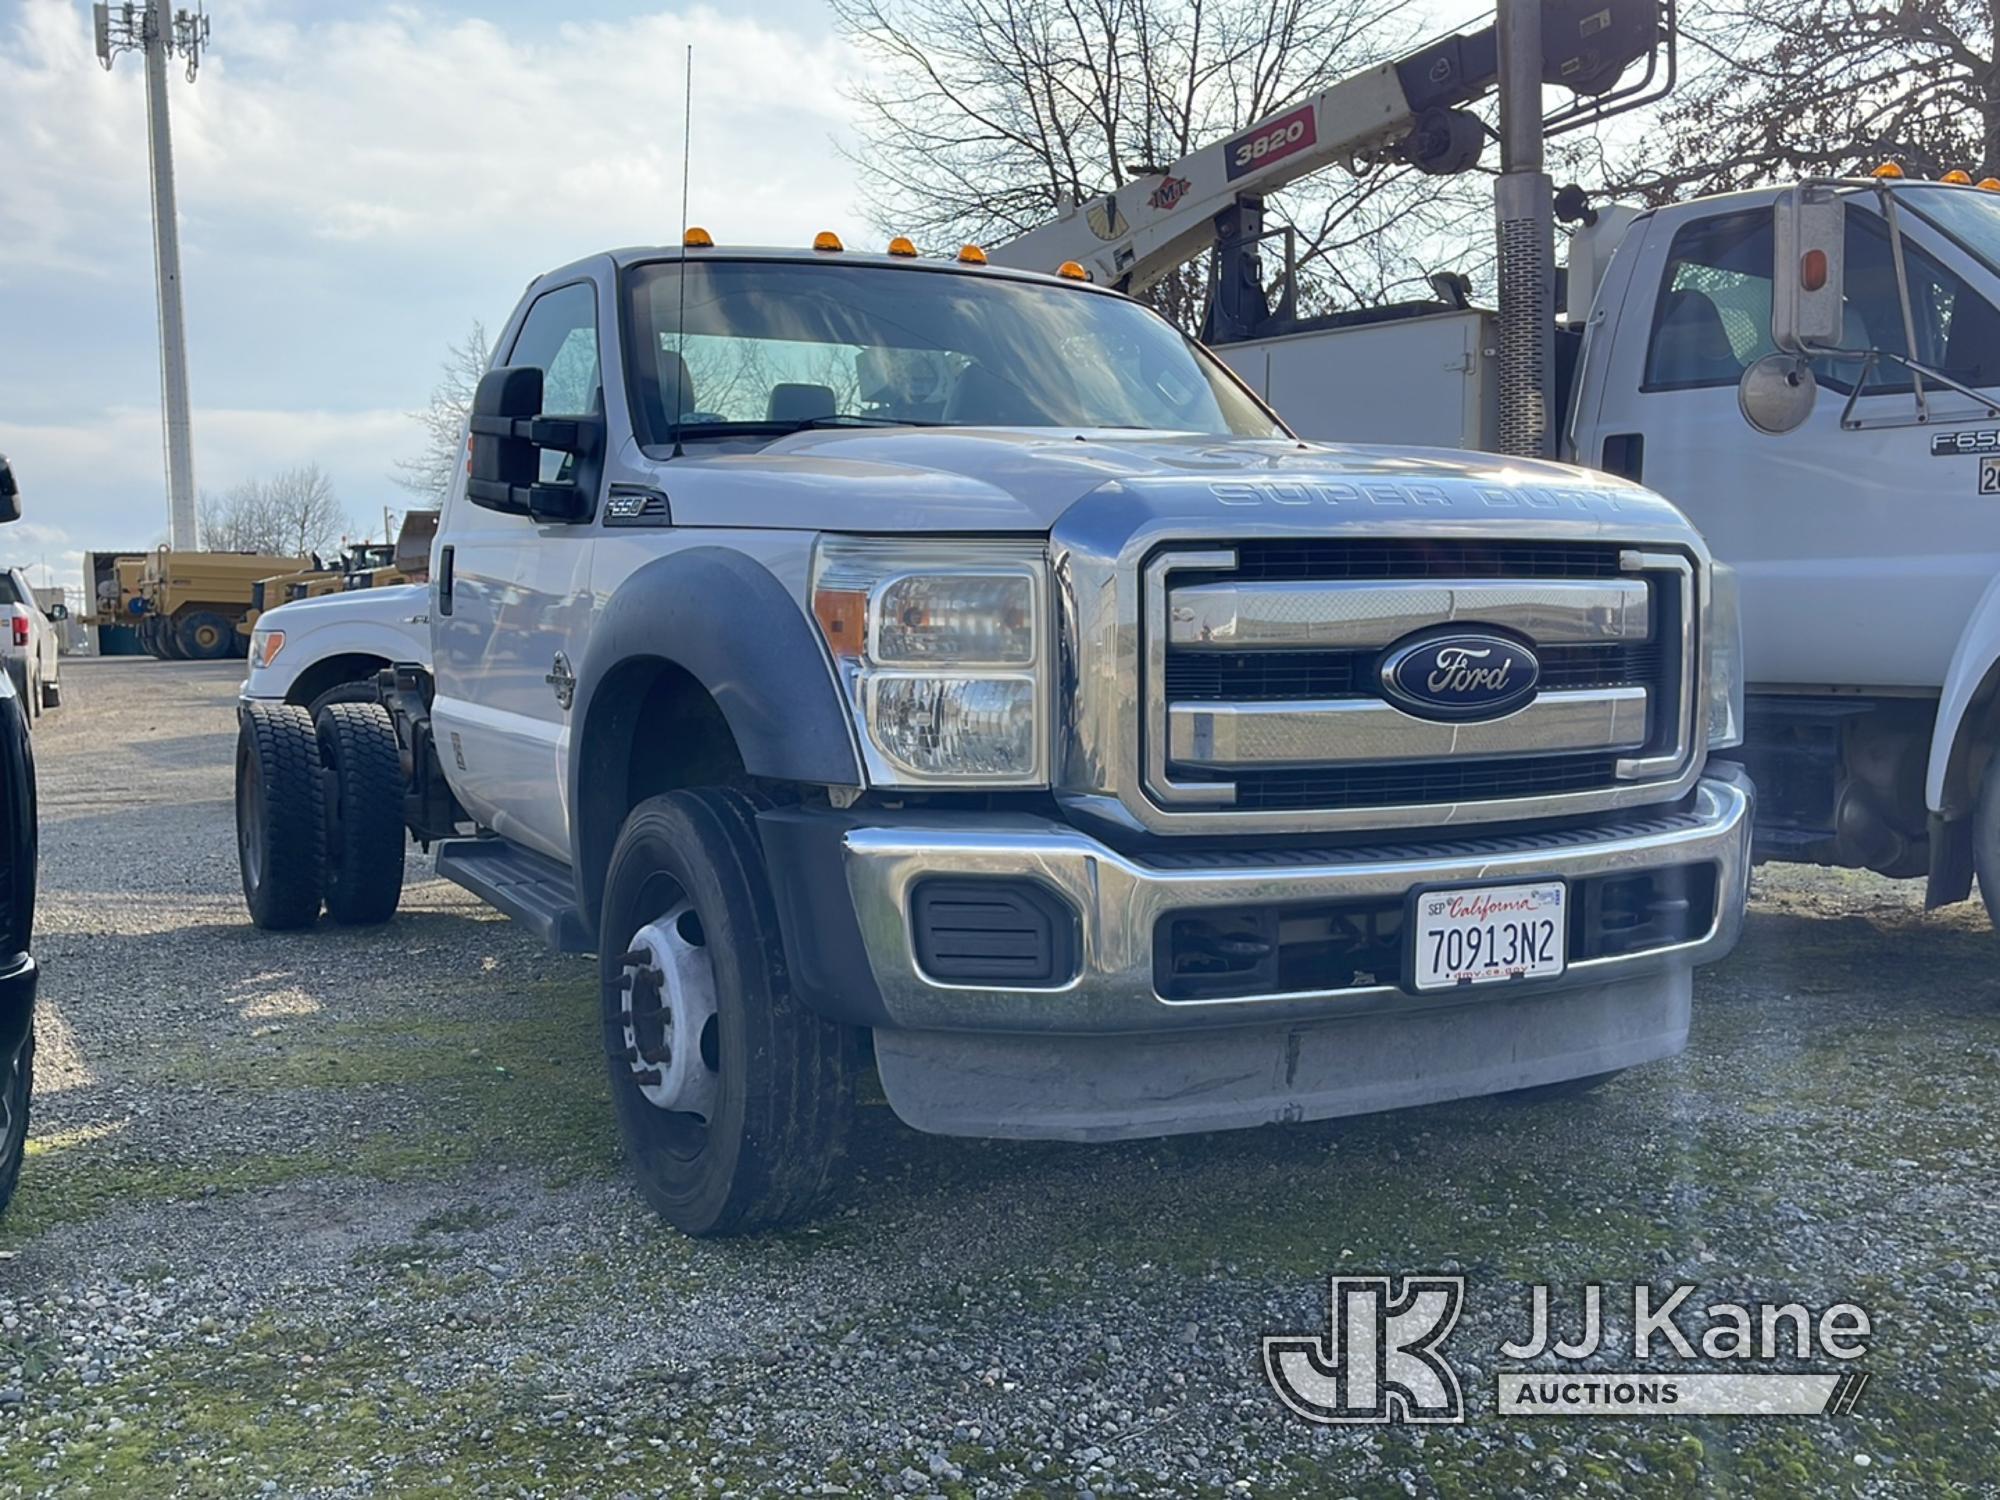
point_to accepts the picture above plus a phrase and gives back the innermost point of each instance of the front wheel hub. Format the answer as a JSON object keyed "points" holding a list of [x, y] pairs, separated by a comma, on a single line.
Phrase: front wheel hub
{"points": [[667, 1001]]}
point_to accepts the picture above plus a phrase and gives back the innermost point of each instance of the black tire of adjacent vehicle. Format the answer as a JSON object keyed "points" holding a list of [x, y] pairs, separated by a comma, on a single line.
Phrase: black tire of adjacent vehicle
{"points": [[1986, 839], [363, 690], [20, 1088], [364, 812], [772, 1150], [206, 636], [167, 636], [280, 816]]}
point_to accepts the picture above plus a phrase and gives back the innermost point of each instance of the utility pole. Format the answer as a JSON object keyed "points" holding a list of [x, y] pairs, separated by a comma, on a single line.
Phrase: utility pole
{"points": [[1524, 204], [148, 29]]}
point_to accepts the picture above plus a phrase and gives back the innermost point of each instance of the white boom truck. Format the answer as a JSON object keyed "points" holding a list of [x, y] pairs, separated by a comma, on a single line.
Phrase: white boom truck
{"points": [[1865, 525], [863, 651]]}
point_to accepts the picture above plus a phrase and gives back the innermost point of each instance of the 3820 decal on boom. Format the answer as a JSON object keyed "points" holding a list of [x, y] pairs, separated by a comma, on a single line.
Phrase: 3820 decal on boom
{"points": [[1291, 132]]}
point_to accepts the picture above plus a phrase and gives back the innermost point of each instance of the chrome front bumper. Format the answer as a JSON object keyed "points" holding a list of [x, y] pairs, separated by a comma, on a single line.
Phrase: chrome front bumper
{"points": [[1119, 900]]}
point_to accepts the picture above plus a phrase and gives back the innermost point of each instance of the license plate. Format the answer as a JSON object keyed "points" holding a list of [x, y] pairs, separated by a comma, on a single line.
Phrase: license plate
{"points": [[1484, 934]]}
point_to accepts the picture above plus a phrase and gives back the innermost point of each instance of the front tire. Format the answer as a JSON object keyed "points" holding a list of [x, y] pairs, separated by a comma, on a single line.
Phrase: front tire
{"points": [[733, 1099], [280, 816], [364, 812], [1986, 839], [17, 1087]]}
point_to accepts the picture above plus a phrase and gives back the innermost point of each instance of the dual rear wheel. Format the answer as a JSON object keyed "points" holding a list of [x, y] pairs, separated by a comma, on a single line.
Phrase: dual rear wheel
{"points": [[319, 814]]}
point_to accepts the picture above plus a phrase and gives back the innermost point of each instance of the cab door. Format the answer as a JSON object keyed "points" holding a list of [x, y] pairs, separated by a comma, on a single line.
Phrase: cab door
{"points": [[1861, 553], [512, 605]]}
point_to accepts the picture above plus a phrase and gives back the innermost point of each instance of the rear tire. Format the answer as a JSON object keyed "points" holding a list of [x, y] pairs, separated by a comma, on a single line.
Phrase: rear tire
{"points": [[776, 1081], [280, 816], [1986, 839], [206, 636], [168, 636], [52, 695], [17, 1087], [364, 812]]}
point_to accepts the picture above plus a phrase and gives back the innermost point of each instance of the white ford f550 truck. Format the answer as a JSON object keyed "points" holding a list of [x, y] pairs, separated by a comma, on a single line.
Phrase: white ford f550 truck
{"points": [[869, 656]]}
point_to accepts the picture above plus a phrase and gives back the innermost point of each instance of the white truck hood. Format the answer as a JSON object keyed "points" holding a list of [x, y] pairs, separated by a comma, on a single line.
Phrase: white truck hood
{"points": [[1023, 479]]}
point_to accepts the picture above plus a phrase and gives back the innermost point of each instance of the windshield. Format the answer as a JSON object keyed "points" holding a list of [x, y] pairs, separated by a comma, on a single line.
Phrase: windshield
{"points": [[1969, 215], [781, 345]]}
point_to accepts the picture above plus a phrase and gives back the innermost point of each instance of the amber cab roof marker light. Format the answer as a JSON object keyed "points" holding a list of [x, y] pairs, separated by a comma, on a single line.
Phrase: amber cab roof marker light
{"points": [[902, 245], [1957, 175], [697, 238], [972, 255], [826, 239], [1071, 270], [1888, 169]]}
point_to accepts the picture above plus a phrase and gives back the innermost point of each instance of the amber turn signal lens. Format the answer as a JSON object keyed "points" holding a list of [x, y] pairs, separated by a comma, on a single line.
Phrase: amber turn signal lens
{"points": [[843, 619], [1812, 270]]}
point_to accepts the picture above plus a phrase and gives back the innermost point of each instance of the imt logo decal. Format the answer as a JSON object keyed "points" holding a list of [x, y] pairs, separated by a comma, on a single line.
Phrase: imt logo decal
{"points": [[1378, 1360]]}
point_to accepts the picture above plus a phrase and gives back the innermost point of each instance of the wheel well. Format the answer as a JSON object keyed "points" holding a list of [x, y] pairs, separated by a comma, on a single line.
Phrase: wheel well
{"points": [[349, 666], [1972, 746], [652, 728]]}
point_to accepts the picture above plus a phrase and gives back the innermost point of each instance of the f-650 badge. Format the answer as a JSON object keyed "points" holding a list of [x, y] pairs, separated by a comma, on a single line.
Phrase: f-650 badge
{"points": [[1956, 444]]}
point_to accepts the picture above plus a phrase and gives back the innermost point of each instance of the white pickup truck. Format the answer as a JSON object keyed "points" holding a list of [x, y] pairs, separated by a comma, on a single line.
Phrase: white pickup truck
{"points": [[876, 658], [329, 649]]}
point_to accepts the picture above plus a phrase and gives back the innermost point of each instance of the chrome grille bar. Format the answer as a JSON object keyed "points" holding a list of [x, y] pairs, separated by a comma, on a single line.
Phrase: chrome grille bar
{"points": [[1343, 614], [1355, 731]]}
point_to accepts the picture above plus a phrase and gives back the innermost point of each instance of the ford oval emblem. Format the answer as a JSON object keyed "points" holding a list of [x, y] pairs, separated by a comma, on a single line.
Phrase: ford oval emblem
{"points": [[1463, 675]]}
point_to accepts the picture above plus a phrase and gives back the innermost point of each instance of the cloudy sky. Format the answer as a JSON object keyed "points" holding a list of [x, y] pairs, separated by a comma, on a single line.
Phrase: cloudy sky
{"points": [[358, 182]]}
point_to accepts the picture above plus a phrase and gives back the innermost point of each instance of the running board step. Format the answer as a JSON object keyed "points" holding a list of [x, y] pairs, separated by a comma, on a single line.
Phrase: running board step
{"points": [[531, 889]]}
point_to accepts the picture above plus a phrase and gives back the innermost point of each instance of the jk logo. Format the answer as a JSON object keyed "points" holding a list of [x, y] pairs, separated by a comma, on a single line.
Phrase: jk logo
{"points": [[1378, 1360]]}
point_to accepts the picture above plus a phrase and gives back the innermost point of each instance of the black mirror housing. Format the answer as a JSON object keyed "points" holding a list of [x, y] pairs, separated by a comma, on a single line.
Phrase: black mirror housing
{"points": [[58, 612], [508, 436], [10, 492]]}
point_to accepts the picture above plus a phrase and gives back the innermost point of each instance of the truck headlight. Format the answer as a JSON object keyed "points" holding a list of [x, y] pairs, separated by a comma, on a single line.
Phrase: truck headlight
{"points": [[1725, 659], [943, 649], [265, 646]]}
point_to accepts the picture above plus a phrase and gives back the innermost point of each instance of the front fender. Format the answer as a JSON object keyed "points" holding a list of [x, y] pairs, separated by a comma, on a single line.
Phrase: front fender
{"points": [[728, 623], [1972, 680]]}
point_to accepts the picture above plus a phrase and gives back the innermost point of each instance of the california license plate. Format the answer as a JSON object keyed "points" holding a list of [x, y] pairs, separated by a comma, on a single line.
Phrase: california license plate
{"points": [[1483, 934]]}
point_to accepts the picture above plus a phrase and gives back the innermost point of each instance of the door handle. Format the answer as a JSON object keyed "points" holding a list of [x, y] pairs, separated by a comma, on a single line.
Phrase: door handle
{"points": [[444, 580]]}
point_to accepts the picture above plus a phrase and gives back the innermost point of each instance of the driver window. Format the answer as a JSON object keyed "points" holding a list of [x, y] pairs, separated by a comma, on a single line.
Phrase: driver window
{"points": [[1713, 317], [559, 337]]}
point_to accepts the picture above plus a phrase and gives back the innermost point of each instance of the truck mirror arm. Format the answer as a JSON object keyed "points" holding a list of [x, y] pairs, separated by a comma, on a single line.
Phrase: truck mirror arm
{"points": [[1919, 372]]}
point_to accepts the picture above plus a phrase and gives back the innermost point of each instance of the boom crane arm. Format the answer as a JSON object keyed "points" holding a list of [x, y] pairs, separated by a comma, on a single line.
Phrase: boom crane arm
{"points": [[1408, 111]]}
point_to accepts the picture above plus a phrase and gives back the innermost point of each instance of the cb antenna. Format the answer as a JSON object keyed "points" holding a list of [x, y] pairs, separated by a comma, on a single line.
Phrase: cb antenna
{"points": [[680, 311]]}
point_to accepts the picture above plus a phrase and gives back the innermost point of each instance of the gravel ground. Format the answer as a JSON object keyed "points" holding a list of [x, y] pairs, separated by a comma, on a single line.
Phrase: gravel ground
{"points": [[340, 1213]]}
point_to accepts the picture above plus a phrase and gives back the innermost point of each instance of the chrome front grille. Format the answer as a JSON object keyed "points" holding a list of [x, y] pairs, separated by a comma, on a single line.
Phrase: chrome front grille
{"points": [[1261, 685]]}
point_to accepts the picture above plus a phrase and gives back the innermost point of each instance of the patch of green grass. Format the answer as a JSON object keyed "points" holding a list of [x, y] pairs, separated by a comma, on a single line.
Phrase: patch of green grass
{"points": [[529, 1091]]}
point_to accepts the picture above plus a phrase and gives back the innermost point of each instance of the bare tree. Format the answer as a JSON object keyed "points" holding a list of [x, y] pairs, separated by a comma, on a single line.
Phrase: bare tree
{"points": [[983, 116], [442, 419], [1824, 87], [309, 516], [291, 514]]}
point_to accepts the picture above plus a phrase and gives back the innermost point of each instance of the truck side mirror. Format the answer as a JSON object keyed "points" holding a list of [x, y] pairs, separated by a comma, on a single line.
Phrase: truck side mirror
{"points": [[1777, 392], [508, 436], [1808, 241], [10, 492], [58, 612]]}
